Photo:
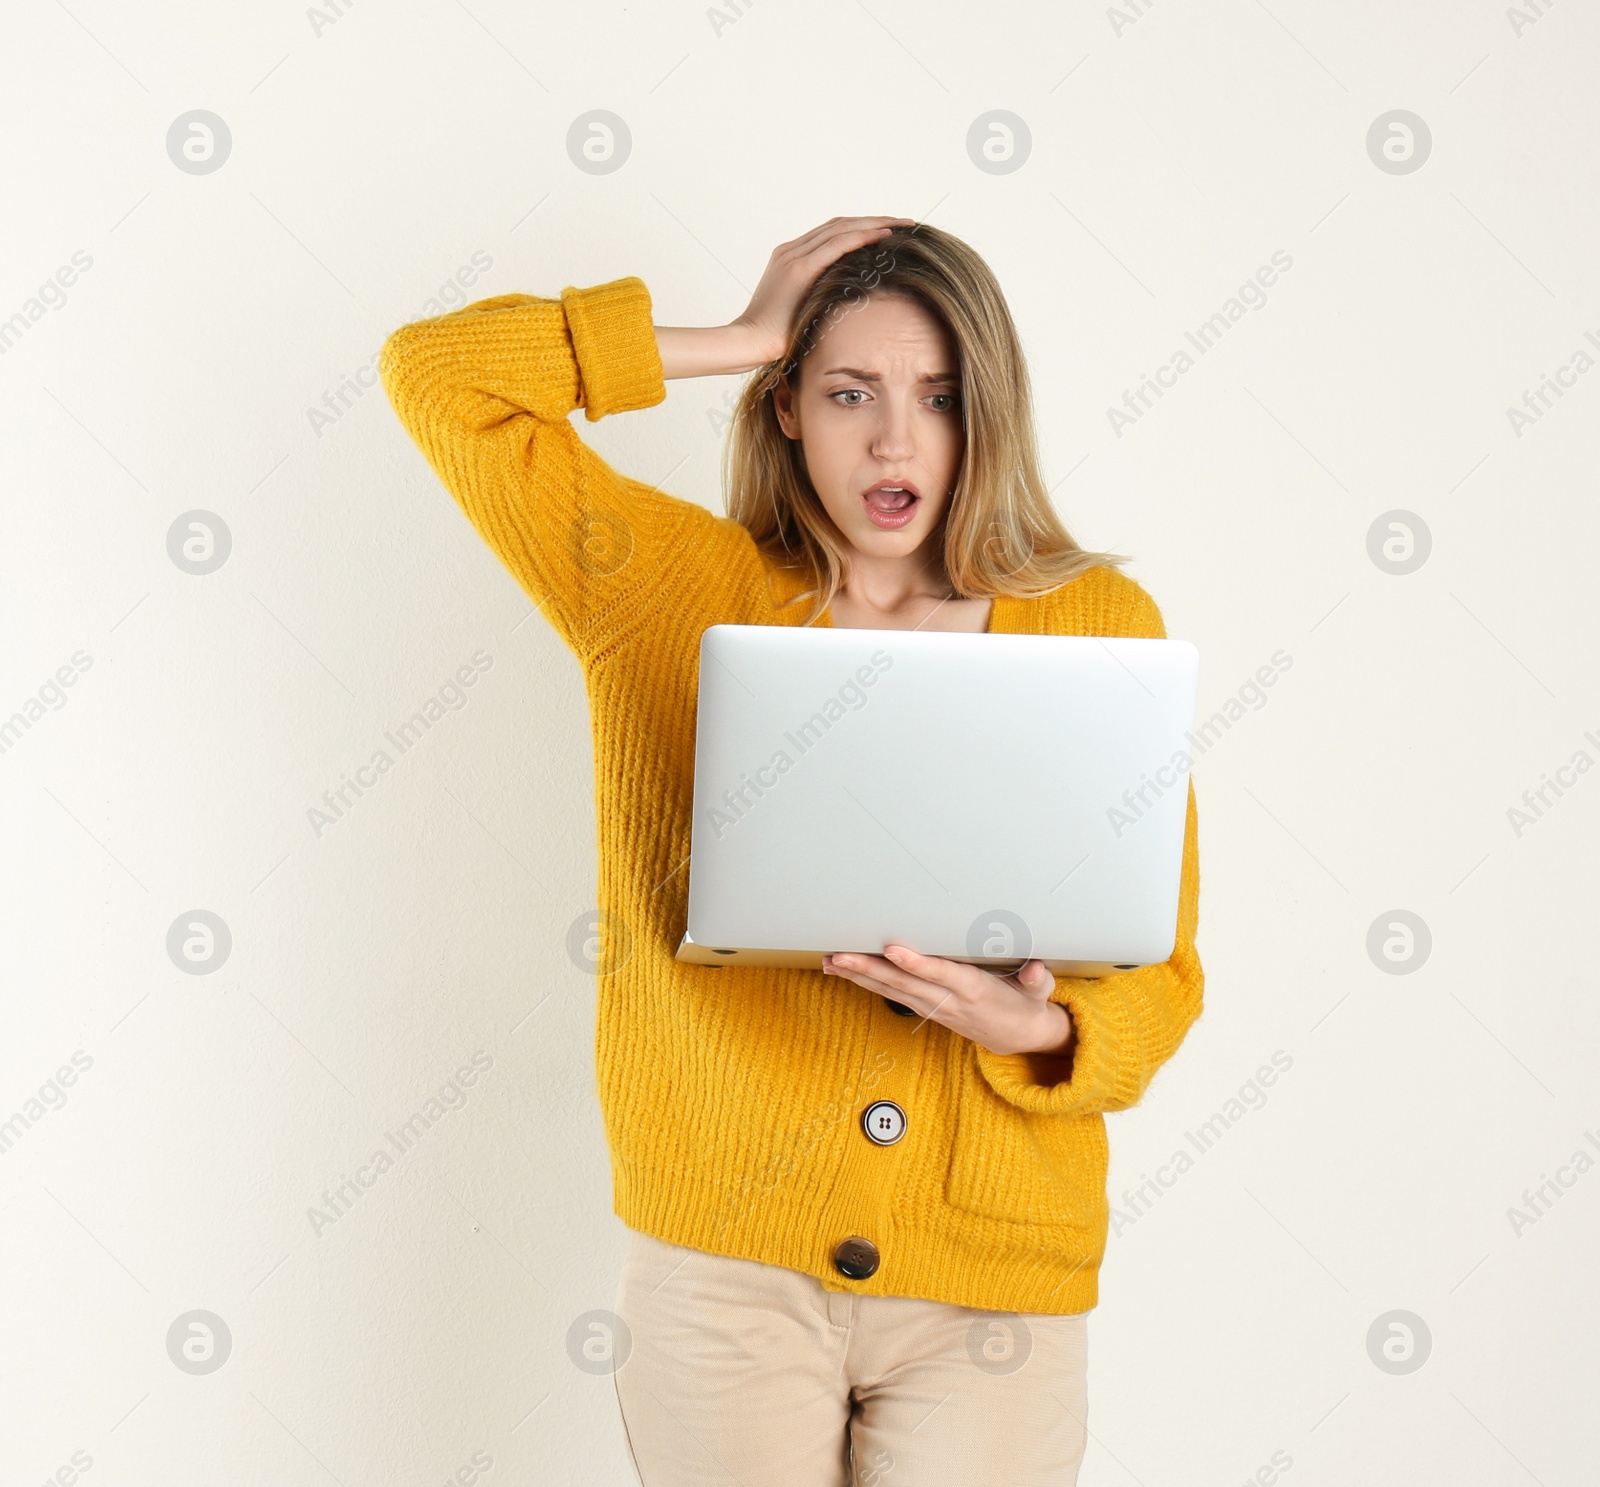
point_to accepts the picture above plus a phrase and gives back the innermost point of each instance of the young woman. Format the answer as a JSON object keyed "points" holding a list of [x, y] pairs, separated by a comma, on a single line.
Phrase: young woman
{"points": [[809, 1298]]}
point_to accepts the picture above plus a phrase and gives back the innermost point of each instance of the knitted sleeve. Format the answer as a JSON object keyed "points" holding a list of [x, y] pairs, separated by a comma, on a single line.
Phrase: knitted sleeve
{"points": [[486, 393], [1129, 1024]]}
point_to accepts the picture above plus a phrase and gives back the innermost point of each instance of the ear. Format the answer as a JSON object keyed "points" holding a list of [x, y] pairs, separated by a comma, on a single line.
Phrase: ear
{"points": [[783, 406]]}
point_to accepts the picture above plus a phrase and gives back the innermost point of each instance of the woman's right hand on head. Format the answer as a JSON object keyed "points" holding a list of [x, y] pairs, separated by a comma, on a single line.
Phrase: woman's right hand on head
{"points": [[792, 270]]}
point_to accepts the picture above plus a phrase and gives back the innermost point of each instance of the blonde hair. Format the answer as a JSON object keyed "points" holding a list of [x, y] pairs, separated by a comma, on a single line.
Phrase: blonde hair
{"points": [[1001, 533]]}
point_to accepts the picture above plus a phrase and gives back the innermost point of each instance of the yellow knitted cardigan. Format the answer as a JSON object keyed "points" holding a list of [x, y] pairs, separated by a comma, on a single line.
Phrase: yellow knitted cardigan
{"points": [[732, 1096]]}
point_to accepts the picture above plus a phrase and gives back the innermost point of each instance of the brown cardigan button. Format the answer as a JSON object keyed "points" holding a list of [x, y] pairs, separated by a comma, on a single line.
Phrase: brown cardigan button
{"points": [[855, 1257], [899, 1008]]}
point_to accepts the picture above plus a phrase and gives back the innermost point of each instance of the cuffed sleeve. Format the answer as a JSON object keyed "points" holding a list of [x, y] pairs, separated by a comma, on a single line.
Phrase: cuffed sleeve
{"points": [[1127, 1025], [614, 344], [475, 367]]}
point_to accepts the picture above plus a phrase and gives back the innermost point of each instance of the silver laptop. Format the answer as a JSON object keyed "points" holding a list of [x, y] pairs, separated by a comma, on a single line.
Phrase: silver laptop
{"points": [[987, 798]]}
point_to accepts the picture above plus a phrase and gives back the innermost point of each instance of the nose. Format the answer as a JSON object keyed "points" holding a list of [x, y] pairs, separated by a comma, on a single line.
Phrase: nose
{"points": [[891, 439]]}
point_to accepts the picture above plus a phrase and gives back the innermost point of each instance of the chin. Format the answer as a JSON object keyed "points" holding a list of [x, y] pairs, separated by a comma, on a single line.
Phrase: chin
{"points": [[891, 544]]}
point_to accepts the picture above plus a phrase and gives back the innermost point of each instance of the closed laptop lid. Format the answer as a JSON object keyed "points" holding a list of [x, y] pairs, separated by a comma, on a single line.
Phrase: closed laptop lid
{"points": [[973, 796]]}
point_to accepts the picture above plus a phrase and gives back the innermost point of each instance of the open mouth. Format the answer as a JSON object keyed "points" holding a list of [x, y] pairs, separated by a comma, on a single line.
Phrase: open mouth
{"points": [[890, 504]]}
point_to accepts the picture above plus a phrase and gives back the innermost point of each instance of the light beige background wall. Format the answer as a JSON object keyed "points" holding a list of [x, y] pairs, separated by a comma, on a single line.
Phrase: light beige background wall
{"points": [[390, 160]]}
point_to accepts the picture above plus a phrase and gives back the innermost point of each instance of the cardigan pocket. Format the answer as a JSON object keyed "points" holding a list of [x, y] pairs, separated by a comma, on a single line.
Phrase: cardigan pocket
{"points": [[1025, 1168]]}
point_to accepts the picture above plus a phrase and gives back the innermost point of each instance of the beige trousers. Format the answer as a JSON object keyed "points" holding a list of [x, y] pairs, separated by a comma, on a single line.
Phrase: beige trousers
{"points": [[739, 1374]]}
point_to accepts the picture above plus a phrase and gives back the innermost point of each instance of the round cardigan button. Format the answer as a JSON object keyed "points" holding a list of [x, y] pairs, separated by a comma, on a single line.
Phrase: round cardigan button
{"points": [[884, 1122], [855, 1258], [899, 1008]]}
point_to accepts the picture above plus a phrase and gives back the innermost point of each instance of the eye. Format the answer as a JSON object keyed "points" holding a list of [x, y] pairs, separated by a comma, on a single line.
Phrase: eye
{"points": [[849, 392], [950, 399]]}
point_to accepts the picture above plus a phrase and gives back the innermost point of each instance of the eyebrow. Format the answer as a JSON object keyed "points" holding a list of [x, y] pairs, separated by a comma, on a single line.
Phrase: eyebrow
{"points": [[862, 376]]}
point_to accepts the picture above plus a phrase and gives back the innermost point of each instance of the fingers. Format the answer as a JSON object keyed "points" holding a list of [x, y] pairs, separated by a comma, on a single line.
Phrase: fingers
{"points": [[857, 228], [843, 241], [882, 988], [837, 225], [926, 1000], [1034, 978], [924, 993], [948, 973]]}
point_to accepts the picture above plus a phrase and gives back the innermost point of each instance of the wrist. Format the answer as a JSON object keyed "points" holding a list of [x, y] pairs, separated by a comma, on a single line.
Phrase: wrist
{"points": [[709, 351], [752, 345], [1059, 1034]]}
